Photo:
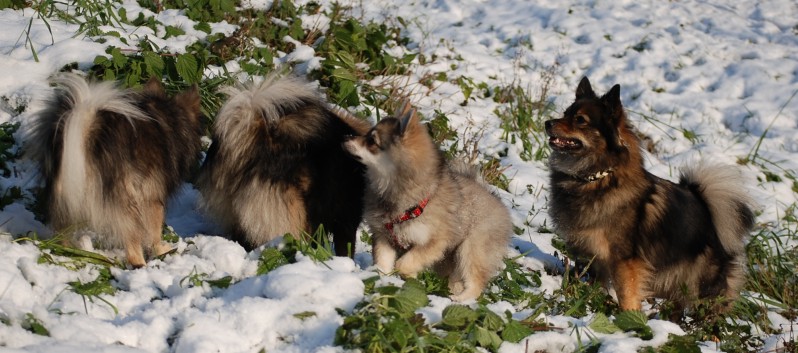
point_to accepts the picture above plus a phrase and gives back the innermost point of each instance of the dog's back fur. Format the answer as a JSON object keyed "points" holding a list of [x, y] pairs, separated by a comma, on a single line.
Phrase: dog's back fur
{"points": [[110, 158], [277, 165], [463, 230], [649, 236]]}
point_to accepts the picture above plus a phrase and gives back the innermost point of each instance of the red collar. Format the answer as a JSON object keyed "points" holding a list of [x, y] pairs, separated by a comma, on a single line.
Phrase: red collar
{"points": [[410, 213]]}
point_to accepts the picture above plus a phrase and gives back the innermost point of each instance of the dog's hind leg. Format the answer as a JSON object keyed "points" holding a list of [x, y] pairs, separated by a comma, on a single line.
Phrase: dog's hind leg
{"points": [[133, 241], [472, 270], [154, 214], [133, 224]]}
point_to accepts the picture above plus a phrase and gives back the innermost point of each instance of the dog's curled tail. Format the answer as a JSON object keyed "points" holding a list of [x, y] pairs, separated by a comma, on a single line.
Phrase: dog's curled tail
{"points": [[722, 190], [83, 100], [460, 166], [270, 100], [68, 115]]}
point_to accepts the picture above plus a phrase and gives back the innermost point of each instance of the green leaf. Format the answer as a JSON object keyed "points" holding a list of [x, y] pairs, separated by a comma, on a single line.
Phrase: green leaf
{"points": [[305, 314], [344, 74], [296, 30], [602, 324], [77, 254], [172, 31], [690, 135], [680, 344], [100, 60], [630, 320], [515, 331], [203, 26], [228, 6], [118, 58], [13, 4], [34, 325], [487, 338], [223, 282], [386, 290], [100, 285], [633, 320], [255, 69], [109, 75], [492, 321], [346, 59], [410, 297], [346, 96], [270, 259], [155, 64], [265, 55], [458, 316], [188, 68]]}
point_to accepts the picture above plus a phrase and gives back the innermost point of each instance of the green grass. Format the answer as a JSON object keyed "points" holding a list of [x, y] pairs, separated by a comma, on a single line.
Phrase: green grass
{"points": [[523, 113]]}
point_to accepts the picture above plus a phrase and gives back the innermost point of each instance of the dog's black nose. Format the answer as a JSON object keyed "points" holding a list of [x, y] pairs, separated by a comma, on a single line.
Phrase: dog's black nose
{"points": [[549, 123]]}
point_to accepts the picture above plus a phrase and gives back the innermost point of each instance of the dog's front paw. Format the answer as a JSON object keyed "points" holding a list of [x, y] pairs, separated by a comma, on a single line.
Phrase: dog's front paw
{"points": [[381, 270], [467, 295], [407, 268], [384, 265], [163, 248]]}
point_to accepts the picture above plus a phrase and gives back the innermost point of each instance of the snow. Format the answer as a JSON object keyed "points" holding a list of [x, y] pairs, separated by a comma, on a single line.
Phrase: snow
{"points": [[725, 71]]}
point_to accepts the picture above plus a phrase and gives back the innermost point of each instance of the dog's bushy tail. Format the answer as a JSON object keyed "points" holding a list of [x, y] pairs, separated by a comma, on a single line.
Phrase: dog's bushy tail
{"points": [[722, 190], [68, 118], [462, 167], [271, 99]]}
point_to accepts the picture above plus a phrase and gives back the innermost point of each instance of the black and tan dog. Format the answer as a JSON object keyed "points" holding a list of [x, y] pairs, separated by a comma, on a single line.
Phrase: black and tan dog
{"points": [[277, 165], [647, 235], [111, 157]]}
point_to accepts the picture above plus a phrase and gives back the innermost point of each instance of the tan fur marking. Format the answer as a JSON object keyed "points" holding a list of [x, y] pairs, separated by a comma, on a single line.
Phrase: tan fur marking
{"points": [[629, 282], [594, 239], [655, 209], [270, 211], [155, 218]]}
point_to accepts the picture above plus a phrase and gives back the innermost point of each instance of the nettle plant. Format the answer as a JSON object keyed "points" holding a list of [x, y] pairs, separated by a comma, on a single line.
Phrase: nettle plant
{"points": [[352, 52]]}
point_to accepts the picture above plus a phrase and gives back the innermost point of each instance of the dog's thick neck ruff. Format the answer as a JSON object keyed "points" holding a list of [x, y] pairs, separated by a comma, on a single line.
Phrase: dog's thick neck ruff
{"points": [[410, 213]]}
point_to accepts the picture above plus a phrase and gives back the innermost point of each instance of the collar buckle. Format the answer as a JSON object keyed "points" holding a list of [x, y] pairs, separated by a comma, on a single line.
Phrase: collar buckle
{"points": [[597, 176]]}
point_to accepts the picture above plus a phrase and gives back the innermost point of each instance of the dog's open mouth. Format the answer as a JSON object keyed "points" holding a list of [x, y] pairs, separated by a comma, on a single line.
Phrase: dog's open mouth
{"points": [[564, 144]]}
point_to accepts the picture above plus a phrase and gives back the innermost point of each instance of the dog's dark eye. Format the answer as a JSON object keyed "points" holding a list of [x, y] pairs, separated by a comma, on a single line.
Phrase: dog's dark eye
{"points": [[580, 119]]}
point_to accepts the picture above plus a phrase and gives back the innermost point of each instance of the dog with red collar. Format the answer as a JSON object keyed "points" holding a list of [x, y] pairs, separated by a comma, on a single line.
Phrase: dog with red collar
{"points": [[426, 213]]}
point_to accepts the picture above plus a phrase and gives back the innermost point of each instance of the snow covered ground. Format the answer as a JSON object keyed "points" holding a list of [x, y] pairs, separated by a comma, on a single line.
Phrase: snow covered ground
{"points": [[722, 73]]}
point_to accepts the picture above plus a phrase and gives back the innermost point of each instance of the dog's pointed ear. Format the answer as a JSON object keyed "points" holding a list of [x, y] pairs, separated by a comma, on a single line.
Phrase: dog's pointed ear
{"points": [[584, 90], [190, 99], [154, 86], [612, 100], [407, 117]]}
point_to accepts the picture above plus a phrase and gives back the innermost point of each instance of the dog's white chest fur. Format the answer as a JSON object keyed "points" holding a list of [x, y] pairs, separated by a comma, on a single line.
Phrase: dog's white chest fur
{"points": [[413, 232]]}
